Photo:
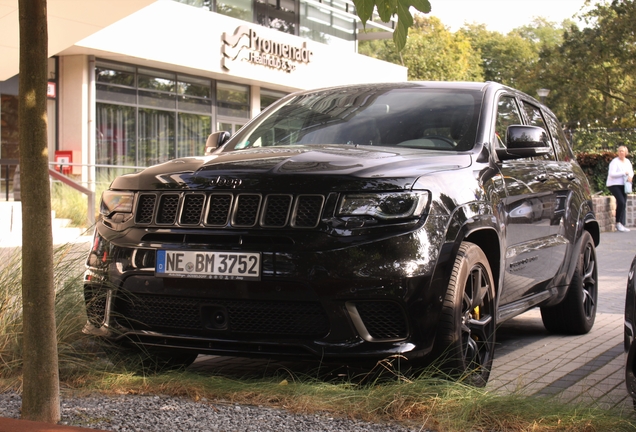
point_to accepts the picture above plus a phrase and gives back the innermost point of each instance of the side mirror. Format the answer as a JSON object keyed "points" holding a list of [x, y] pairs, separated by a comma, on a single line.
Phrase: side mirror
{"points": [[523, 142], [216, 140]]}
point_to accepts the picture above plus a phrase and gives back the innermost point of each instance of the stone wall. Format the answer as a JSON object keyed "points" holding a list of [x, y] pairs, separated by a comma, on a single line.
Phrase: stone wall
{"points": [[631, 210], [605, 209]]}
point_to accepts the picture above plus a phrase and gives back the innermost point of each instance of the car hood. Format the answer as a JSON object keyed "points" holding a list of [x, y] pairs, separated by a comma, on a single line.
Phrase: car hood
{"points": [[376, 167]]}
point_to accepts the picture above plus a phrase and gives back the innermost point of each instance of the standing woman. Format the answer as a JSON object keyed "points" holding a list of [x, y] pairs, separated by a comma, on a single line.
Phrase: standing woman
{"points": [[620, 171]]}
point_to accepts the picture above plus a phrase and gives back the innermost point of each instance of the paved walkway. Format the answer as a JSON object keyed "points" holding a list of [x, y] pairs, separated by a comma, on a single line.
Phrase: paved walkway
{"points": [[588, 368]]}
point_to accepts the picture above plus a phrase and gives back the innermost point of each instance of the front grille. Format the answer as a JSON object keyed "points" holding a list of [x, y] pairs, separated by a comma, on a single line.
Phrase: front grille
{"points": [[242, 210], [144, 312], [383, 320]]}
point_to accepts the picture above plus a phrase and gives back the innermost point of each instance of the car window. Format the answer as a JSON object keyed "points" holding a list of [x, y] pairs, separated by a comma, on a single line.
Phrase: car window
{"points": [[507, 114], [535, 118], [561, 143], [432, 118]]}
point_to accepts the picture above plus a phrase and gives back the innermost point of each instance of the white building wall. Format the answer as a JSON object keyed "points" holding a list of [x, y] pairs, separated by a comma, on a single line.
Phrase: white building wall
{"points": [[188, 39], [73, 107]]}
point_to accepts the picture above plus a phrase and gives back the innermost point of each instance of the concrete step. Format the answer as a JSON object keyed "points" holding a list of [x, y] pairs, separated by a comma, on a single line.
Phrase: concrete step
{"points": [[11, 227]]}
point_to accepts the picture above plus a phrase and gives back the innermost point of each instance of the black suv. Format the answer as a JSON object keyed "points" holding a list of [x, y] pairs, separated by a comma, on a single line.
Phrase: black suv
{"points": [[356, 222]]}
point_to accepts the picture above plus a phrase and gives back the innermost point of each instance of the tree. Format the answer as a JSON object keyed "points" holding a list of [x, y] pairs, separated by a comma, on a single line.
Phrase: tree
{"points": [[592, 71], [511, 59], [432, 52], [386, 9], [40, 395]]}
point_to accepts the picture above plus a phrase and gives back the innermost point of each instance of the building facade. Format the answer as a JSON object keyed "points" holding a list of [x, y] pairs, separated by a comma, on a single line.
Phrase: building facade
{"points": [[152, 85]]}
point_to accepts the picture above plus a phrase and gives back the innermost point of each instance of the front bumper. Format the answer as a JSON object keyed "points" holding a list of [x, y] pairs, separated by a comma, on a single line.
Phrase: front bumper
{"points": [[366, 301]]}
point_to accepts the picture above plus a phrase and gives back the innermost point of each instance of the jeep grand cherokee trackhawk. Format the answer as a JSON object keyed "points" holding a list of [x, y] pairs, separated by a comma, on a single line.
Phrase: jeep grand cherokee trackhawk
{"points": [[349, 223]]}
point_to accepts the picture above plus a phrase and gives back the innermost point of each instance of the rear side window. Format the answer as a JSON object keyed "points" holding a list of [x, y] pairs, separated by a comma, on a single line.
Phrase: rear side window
{"points": [[561, 143], [535, 118]]}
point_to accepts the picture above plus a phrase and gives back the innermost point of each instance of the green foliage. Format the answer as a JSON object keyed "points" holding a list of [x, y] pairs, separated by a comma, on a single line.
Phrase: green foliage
{"points": [[432, 52], [596, 140], [68, 203], [595, 166], [592, 71], [421, 403], [70, 316], [388, 8], [506, 59], [595, 149]]}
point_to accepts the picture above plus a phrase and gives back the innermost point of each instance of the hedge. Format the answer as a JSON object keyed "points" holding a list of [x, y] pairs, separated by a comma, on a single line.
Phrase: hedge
{"points": [[595, 149], [595, 166]]}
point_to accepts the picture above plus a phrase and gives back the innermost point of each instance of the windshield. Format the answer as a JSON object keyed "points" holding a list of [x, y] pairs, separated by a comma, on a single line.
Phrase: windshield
{"points": [[415, 117]]}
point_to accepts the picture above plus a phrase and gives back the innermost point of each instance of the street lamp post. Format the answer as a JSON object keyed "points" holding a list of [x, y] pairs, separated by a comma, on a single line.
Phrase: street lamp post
{"points": [[543, 93]]}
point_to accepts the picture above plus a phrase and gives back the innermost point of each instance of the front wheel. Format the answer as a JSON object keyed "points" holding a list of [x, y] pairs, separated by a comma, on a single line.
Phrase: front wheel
{"points": [[577, 312], [466, 338]]}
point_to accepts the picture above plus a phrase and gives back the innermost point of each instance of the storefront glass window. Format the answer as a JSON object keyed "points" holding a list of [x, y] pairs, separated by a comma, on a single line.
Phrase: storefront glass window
{"points": [[326, 25], [115, 74], [192, 86], [156, 136], [115, 83], [147, 116], [116, 141], [228, 126], [241, 9], [233, 100], [277, 14], [268, 97], [155, 80], [194, 95], [193, 132], [206, 4]]}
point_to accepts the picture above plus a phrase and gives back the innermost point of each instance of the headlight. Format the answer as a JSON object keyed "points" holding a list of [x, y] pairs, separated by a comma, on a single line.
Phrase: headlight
{"points": [[390, 205], [115, 201]]}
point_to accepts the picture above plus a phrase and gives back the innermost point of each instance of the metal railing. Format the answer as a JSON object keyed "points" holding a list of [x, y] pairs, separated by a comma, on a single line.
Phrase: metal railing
{"points": [[56, 171], [6, 164], [90, 195]]}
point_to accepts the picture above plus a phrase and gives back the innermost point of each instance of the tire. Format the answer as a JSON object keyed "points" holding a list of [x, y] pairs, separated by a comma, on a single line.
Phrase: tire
{"points": [[466, 337], [147, 361], [575, 315]]}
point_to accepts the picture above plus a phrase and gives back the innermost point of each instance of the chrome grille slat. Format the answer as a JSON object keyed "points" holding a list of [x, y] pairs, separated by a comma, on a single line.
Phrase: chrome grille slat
{"points": [[246, 209], [168, 206], [226, 209], [219, 206], [191, 209], [276, 211], [307, 211], [145, 208]]}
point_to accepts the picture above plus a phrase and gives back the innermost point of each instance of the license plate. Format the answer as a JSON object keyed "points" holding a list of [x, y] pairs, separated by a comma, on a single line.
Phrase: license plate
{"points": [[209, 265]]}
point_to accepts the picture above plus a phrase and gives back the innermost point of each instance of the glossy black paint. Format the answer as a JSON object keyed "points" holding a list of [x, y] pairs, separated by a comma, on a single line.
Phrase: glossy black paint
{"points": [[630, 332], [526, 214]]}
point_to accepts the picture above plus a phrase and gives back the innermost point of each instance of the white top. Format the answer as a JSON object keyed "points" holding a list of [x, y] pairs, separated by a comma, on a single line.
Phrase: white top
{"points": [[617, 170]]}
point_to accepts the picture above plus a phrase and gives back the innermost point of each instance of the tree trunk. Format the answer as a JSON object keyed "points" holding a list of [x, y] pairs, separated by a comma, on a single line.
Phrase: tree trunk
{"points": [[40, 395]]}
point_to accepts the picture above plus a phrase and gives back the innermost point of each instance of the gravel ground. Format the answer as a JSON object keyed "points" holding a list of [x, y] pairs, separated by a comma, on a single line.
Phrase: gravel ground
{"points": [[168, 414]]}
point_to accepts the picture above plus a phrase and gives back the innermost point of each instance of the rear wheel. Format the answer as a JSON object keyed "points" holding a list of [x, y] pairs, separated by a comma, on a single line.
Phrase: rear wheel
{"points": [[577, 312], [466, 338]]}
